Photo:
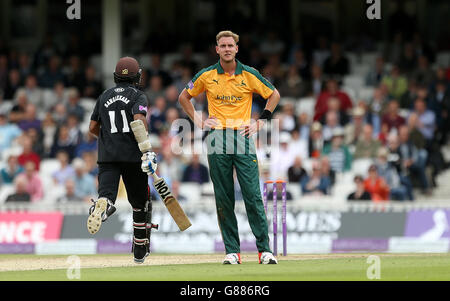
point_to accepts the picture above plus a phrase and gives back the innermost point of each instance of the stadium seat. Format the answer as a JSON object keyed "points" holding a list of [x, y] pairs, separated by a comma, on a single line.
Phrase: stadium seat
{"points": [[361, 166], [352, 93], [366, 93], [369, 58], [355, 82], [192, 191], [145, 61], [5, 191], [305, 105], [48, 167], [443, 59]]}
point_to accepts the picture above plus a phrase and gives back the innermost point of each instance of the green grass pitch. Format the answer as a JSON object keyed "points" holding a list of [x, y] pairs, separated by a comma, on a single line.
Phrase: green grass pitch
{"points": [[340, 268]]}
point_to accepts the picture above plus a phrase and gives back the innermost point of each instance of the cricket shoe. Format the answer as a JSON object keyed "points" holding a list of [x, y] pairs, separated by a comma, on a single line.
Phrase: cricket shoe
{"points": [[232, 258], [267, 258], [99, 213], [141, 249]]}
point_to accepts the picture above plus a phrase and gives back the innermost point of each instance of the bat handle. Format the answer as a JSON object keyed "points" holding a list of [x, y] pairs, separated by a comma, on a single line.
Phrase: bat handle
{"points": [[155, 176]]}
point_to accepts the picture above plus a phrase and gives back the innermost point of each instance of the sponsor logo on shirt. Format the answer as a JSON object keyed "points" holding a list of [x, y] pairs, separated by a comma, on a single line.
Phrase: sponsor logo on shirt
{"points": [[143, 108]]}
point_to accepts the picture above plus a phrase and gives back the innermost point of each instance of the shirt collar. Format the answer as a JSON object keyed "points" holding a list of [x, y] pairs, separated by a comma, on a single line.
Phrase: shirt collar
{"points": [[236, 72]]}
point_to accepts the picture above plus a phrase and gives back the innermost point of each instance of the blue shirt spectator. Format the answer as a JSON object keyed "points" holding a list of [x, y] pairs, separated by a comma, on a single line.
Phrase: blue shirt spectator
{"points": [[8, 132]]}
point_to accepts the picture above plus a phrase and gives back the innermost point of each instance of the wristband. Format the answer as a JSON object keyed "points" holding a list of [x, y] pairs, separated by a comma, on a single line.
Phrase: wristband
{"points": [[265, 115]]}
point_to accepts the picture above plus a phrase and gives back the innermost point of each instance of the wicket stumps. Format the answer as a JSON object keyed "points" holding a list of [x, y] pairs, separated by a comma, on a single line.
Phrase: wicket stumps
{"points": [[275, 212]]}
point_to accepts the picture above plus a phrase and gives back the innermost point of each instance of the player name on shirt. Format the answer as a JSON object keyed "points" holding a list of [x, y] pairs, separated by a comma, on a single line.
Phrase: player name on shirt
{"points": [[116, 98]]}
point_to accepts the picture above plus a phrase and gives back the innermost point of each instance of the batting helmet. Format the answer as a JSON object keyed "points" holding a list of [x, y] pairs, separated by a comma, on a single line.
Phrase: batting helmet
{"points": [[127, 70]]}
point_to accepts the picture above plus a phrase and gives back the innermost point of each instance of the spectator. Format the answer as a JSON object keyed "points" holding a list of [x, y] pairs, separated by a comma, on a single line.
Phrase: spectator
{"points": [[415, 135], [426, 119], [65, 171], [396, 83], [316, 140], [63, 142], [90, 159], [8, 132], [84, 182], [90, 87], [440, 104], [304, 125], [296, 172], [408, 59], [334, 105], [21, 194], [74, 73], [316, 183], [271, 45], [24, 67], [281, 159], [157, 116], [171, 95], [298, 146], [75, 135], [279, 192], [325, 167], [412, 159], [28, 154], [423, 74], [13, 84], [375, 75], [392, 118], [196, 172], [157, 70], [48, 132], [331, 123], [33, 181], [317, 81], [17, 112], [56, 97], [293, 86], [37, 141], [400, 188], [33, 91], [354, 129], [52, 74], [367, 146], [287, 119], [30, 120], [338, 153], [3, 71], [336, 63], [321, 52], [332, 90], [59, 114], [376, 186], [301, 64], [408, 98], [155, 89], [10, 171], [361, 194], [73, 105], [70, 194], [175, 189], [88, 144], [170, 167]]}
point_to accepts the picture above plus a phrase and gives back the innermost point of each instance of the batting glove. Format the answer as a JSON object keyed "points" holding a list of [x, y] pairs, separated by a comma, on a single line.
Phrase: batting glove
{"points": [[149, 164]]}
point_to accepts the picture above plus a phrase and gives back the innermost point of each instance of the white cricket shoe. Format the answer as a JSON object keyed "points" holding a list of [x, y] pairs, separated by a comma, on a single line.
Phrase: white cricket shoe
{"points": [[232, 258], [267, 258]]}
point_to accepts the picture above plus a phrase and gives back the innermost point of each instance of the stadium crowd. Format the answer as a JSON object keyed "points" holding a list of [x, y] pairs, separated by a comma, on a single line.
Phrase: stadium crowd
{"points": [[399, 127]]}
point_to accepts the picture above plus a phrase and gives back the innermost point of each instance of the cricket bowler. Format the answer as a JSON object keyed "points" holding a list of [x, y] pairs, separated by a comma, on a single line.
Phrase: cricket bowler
{"points": [[120, 155], [229, 87]]}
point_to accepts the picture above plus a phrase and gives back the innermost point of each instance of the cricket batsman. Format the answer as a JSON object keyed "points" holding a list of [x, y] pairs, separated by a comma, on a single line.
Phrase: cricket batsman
{"points": [[229, 87], [119, 154]]}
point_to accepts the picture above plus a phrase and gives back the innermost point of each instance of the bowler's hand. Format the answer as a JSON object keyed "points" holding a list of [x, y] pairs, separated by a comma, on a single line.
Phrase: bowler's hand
{"points": [[250, 130], [209, 123]]}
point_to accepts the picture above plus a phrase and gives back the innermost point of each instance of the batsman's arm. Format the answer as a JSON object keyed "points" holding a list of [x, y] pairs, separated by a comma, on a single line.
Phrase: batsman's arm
{"points": [[94, 128]]}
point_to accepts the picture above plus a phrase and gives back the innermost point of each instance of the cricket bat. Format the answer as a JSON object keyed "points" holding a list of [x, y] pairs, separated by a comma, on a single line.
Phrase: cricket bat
{"points": [[171, 203]]}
